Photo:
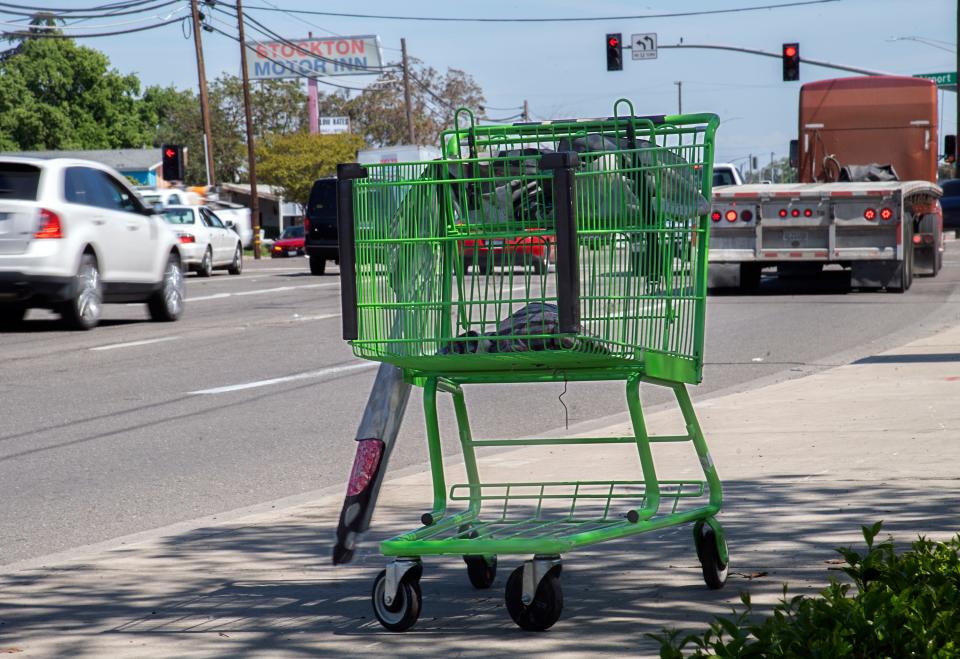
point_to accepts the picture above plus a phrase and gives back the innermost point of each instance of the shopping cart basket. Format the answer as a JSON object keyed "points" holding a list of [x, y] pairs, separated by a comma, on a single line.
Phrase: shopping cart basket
{"points": [[570, 250]]}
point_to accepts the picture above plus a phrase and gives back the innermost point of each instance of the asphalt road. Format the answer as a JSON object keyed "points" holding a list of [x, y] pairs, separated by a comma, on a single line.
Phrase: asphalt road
{"points": [[252, 396]]}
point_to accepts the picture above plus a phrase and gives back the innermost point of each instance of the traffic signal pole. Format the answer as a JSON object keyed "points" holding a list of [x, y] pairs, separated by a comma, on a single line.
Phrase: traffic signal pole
{"points": [[754, 51], [251, 160], [204, 100]]}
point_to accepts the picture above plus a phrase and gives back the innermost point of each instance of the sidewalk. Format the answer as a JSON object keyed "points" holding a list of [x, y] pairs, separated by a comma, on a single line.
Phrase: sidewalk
{"points": [[805, 462]]}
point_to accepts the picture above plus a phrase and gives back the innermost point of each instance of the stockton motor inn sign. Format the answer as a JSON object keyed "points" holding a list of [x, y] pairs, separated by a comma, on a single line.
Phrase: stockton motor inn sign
{"points": [[330, 56]]}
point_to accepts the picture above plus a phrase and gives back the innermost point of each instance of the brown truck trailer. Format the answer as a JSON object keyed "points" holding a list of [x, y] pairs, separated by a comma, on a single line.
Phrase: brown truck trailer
{"points": [[867, 197]]}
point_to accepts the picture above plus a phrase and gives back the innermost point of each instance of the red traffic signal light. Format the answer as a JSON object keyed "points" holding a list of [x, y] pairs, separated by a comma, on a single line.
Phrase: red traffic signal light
{"points": [[614, 52], [790, 54], [173, 162]]}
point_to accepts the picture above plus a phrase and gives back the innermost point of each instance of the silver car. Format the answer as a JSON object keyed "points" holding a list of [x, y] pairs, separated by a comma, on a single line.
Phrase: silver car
{"points": [[74, 235], [205, 241]]}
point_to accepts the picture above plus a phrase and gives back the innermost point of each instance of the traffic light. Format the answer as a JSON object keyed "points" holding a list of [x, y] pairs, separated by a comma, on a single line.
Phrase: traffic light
{"points": [[791, 61], [614, 52], [173, 162]]}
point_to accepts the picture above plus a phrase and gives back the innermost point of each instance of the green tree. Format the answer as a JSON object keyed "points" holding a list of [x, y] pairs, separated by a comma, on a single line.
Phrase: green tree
{"points": [[293, 161], [379, 113], [55, 94]]}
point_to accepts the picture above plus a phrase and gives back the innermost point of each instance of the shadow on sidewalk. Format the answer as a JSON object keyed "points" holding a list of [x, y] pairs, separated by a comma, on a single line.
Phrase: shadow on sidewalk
{"points": [[258, 589], [928, 358]]}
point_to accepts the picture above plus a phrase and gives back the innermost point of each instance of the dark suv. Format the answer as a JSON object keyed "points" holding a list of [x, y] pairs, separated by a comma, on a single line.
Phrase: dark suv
{"points": [[321, 234]]}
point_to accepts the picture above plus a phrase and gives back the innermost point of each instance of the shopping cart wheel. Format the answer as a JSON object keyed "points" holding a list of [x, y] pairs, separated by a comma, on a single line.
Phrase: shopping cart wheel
{"points": [[714, 570], [546, 606], [401, 614], [481, 570]]}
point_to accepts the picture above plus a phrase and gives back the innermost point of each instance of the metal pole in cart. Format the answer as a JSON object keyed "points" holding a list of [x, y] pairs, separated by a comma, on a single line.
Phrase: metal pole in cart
{"points": [[375, 439]]}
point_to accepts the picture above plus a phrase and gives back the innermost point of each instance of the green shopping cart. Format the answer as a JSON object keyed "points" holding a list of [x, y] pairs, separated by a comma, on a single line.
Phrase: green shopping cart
{"points": [[560, 251]]}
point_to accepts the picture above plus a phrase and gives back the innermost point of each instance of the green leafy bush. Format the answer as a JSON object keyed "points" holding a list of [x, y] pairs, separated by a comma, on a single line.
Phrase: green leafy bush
{"points": [[899, 605]]}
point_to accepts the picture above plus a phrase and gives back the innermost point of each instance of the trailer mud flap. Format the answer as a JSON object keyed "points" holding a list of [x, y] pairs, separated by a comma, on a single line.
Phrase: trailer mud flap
{"points": [[876, 274]]}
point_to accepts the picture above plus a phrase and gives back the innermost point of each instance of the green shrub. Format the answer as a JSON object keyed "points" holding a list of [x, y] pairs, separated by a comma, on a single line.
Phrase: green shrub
{"points": [[899, 605]]}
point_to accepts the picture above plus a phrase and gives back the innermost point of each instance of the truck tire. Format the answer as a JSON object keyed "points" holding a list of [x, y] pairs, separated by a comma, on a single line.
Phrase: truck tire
{"points": [[318, 265], [906, 272]]}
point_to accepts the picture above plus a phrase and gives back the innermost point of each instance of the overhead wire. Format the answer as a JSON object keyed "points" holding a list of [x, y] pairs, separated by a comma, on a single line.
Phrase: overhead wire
{"points": [[54, 35], [72, 10], [70, 16], [571, 19], [109, 26]]}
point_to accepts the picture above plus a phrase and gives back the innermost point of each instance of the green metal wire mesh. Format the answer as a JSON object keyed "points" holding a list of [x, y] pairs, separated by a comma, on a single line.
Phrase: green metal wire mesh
{"points": [[456, 258]]}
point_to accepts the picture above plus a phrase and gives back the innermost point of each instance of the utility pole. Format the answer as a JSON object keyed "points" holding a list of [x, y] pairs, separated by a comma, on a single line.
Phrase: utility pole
{"points": [[251, 160], [679, 84], [526, 106], [406, 92], [204, 100]]}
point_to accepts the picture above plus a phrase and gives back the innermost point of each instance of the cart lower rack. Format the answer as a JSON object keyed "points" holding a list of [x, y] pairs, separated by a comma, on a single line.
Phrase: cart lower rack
{"points": [[537, 252]]}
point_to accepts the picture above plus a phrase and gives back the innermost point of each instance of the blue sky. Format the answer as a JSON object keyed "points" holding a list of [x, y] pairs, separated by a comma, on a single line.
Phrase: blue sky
{"points": [[560, 67]]}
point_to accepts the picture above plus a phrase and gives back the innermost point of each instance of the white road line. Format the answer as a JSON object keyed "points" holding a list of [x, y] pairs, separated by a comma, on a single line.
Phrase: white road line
{"points": [[262, 291], [288, 378], [324, 316], [136, 343]]}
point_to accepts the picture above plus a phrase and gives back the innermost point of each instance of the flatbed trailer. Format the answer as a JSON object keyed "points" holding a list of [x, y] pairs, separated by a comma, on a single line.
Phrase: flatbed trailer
{"points": [[884, 232]]}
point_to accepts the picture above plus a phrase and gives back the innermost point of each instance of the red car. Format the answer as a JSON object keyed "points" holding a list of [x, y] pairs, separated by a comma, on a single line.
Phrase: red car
{"points": [[535, 251], [290, 243]]}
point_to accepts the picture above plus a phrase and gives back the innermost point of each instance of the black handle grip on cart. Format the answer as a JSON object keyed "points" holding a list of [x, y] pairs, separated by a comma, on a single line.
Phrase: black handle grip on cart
{"points": [[564, 207], [346, 174]]}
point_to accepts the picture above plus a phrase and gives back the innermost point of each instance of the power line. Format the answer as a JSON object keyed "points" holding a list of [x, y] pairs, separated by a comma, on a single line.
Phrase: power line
{"points": [[546, 20], [274, 7], [71, 16], [52, 35], [98, 27], [73, 10]]}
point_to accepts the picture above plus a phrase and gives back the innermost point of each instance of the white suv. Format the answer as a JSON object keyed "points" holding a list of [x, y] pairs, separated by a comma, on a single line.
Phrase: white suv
{"points": [[73, 235]]}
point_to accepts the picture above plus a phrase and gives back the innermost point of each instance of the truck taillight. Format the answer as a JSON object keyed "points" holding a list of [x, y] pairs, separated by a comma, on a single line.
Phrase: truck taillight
{"points": [[746, 215], [731, 216], [808, 212], [715, 216], [870, 214], [782, 213], [886, 213], [50, 226], [306, 225], [795, 212]]}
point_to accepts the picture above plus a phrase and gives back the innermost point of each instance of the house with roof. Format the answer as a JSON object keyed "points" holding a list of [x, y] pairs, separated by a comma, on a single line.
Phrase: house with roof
{"points": [[142, 165]]}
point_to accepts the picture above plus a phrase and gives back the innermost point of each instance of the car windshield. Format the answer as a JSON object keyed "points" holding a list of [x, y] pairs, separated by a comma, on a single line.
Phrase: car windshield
{"points": [[178, 216], [292, 232], [723, 177], [18, 181]]}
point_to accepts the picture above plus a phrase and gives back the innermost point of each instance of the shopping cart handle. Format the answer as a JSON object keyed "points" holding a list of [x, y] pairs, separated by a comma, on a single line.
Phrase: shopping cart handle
{"points": [[346, 173], [562, 163]]}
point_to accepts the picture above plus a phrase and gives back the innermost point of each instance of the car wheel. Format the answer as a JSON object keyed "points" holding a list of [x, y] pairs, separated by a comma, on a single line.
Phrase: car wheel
{"points": [[236, 267], [318, 265], [167, 303], [82, 310], [206, 265]]}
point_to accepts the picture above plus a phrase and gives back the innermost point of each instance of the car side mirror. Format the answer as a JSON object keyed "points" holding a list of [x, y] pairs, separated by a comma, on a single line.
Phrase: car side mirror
{"points": [[794, 154], [950, 147]]}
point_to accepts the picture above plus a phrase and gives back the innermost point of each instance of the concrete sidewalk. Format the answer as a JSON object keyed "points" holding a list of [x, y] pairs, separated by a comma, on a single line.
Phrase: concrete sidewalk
{"points": [[805, 462]]}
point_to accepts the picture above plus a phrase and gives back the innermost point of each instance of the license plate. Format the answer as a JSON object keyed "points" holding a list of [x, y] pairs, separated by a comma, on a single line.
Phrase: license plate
{"points": [[795, 236], [497, 243], [291, 252]]}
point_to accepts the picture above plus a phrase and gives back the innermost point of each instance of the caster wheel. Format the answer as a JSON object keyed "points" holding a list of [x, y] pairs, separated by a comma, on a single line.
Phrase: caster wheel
{"points": [[543, 611], [402, 613], [714, 570], [481, 572]]}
